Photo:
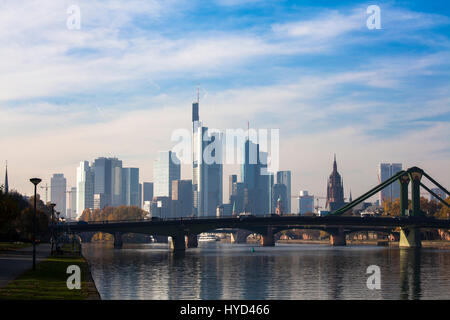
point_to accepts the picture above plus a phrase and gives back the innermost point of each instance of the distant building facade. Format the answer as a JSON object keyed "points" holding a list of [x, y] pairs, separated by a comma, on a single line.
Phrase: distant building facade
{"points": [[85, 187], [305, 203], [386, 171], [207, 176], [284, 177], [147, 191], [166, 169], [182, 198], [58, 192], [130, 187]]}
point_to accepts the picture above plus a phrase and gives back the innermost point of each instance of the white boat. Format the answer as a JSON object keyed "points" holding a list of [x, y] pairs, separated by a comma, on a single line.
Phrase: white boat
{"points": [[207, 237]]}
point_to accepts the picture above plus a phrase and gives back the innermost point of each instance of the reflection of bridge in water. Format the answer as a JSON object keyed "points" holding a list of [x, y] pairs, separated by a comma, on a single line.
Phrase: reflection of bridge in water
{"points": [[184, 231]]}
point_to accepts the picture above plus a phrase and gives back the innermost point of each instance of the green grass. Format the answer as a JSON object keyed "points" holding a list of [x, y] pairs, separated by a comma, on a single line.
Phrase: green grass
{"points": [[48, 282], [11, 246]]}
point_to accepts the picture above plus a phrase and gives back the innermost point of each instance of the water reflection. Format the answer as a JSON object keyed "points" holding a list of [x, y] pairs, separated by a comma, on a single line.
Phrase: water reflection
{"points": [[225, 271], [410, 261]]}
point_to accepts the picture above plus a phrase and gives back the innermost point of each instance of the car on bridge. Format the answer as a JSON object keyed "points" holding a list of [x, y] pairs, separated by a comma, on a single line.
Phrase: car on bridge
{"points": [[82, 222]]}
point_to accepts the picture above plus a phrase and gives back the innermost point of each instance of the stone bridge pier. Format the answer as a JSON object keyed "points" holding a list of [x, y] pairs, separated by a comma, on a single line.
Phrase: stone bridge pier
{"points": [[177, 242], [191, 241], [267, 239], [240, 236], [337, 237], [118, 240]]}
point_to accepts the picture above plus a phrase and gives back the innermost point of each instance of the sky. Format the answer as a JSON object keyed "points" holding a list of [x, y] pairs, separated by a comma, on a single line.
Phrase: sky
{"points": [[125, 80]]}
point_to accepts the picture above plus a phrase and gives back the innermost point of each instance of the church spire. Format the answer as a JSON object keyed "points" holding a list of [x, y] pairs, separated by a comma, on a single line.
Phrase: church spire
{"points": [[6, 178], [334, 163]]}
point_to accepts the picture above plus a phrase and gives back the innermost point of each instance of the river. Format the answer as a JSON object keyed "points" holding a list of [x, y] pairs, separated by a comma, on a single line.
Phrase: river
{"points": [[287, 271]]}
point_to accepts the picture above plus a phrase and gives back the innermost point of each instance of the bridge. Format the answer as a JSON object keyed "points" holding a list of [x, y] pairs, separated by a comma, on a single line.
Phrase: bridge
{"points": [[184, 231]]}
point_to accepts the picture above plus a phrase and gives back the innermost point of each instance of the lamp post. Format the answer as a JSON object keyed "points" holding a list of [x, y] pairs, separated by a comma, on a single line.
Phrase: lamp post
{"points": [[53, 226], [34, 181]]}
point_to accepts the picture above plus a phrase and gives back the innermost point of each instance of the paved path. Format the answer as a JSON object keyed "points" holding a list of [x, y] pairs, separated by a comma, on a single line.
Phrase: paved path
{"points": [[14, 263]]}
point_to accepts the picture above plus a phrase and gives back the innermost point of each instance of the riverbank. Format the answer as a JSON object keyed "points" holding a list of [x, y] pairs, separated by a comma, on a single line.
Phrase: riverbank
{"points": [[372, 242], [48, 282], [12, 246]]}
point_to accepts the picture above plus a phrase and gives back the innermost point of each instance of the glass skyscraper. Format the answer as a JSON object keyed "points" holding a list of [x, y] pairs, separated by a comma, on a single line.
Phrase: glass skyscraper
{"points": [[165, 170], [130, 187], [284, 177], [85, 187], [207, 176], [58, 192], [386, 171]]}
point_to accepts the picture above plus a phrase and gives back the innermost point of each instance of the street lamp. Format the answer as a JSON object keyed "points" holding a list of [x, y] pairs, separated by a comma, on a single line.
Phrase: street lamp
{"points": [[53, 226], [34, 181]]}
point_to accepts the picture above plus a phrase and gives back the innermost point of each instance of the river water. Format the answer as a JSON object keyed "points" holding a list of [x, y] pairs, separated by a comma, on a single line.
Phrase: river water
{"points": [[286, 271]]}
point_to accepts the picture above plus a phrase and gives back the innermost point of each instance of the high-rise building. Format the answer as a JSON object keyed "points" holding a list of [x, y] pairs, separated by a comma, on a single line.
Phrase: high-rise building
{"points": [[130, 187], [386, 171], [284, 177], [73, 202], [108, 180], [207, 177], [166, 168], [257, 180], [335, 190], [182, 198], [161, 207], [232, 179], [58, 192], [147, 191], [305, 203], [237, 198], [85, 187]]}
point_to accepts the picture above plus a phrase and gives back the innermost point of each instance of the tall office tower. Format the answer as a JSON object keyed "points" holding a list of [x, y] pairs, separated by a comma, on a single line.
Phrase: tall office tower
{"points": [[232, 179], [284, 177], [237, 198], [207, 184], [305, 203], [386, 171], [85, 187], [58, 192], [161, 207], [99, 201], [73, 202], [165, 170], [130, 187], [335, 190], [441, 193], [257, 181], [182, 198], [140, 195], [147, 191], [279, 192], [116, 182]]}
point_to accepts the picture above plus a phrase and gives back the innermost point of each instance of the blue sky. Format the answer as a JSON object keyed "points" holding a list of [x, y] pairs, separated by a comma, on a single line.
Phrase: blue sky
{"points": [[123, 82]]}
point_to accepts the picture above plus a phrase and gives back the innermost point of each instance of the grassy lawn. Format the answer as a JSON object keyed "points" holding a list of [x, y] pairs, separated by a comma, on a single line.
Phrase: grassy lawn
{"points": [[49, 282], [10, 246]]}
